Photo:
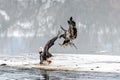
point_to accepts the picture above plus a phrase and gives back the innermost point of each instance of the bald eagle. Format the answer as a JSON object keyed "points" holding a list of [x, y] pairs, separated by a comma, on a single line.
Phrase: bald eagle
{"points": [[70, 33], [44, 53]]}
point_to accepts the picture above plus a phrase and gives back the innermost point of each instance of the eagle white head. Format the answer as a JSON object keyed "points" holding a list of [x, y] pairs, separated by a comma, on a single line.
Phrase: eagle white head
{"points": [[41, 49]]}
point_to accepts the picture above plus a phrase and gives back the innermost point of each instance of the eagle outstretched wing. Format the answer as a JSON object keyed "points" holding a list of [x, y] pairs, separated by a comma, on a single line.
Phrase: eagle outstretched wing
{"points": [[50, 43], [62, 28], [72, 28]]}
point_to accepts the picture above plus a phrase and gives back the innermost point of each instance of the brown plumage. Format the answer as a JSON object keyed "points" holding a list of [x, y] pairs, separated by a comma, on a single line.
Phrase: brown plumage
{"points": [[45, 54], [70, 33]]}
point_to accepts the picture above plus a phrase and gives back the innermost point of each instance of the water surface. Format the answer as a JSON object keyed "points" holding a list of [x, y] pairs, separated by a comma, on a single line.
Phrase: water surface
{"points": [[15, 73]]}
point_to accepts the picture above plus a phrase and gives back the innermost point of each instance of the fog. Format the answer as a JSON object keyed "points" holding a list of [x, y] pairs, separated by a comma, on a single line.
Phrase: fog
{"points": [[26, 25]]}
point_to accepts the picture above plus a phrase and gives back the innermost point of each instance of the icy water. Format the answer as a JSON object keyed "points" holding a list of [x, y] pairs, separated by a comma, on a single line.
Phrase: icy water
{"points": [[15, 73]]}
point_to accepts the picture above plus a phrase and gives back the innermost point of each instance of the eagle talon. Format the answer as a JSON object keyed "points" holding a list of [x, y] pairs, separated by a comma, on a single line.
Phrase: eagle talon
{"points": [[49, 62]]}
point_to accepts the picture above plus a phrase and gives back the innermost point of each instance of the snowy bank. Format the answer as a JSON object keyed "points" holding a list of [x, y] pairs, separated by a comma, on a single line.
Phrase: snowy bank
{"points": [[75, 62]]}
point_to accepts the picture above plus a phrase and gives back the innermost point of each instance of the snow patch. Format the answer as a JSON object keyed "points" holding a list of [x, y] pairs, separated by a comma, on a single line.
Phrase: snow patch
{"points": [[47, 5], [20, 33], [5, 15], [62, 1], [100, 32], [21, 29], [16, 33], [25, 25], [75, 62]]}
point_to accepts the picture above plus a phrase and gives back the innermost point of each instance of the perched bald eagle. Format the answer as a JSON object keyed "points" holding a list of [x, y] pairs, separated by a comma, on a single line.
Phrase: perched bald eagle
{"points": [[44, 53]]}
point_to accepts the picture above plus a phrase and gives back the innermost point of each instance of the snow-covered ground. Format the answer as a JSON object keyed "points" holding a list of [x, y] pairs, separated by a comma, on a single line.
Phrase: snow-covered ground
{"points": [[75, 62]]}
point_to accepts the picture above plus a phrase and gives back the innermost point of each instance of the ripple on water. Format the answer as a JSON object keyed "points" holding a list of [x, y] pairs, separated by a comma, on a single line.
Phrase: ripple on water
{"points": [[15, 73]]}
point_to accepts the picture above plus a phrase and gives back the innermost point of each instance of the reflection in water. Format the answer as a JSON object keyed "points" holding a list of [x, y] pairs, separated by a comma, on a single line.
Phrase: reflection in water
{"points": [[13, 73], [45, 75]]}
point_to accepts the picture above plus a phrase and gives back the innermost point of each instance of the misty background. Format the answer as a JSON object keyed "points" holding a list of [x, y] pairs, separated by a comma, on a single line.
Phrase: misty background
{"points": [[26, 25]]}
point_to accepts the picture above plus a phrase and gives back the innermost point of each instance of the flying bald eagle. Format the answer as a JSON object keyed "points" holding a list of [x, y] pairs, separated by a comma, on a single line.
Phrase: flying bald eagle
{"points": [[70, 33]]}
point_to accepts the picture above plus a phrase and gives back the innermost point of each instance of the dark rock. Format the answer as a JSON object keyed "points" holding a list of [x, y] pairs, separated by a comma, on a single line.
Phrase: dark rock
{"points": [[92, 69], [97, 67], [3, 64]]}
